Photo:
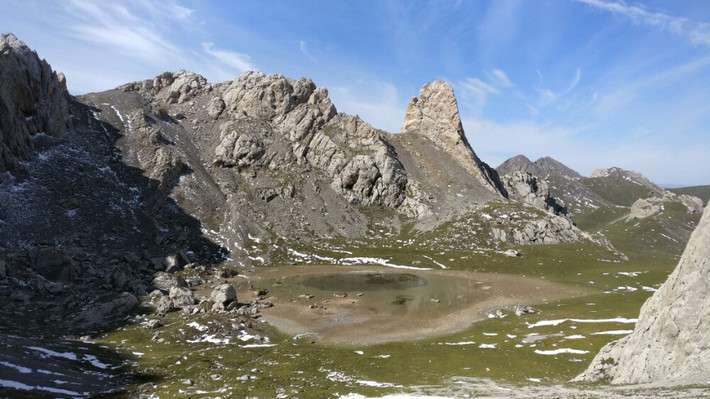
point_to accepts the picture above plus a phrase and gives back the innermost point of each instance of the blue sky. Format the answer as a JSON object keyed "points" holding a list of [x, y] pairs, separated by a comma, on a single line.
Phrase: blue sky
{"points": [[592, 83]]}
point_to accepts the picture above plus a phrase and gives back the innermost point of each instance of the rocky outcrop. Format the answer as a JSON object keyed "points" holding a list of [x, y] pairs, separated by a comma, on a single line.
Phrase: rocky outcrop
{"points": [[435, 115], [646, 207], [629, 176], [670, 344], [532, 191], [33, 99], [542, 167], [275, 122], [550, 229]]}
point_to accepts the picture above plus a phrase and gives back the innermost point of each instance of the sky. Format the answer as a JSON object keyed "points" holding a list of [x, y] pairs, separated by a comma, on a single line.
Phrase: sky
{"points": [[591, 83]]}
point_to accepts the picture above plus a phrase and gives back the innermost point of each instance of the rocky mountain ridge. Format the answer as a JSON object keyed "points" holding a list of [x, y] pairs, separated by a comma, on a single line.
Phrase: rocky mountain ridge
{"points": [[542, 167], [173, 170]]}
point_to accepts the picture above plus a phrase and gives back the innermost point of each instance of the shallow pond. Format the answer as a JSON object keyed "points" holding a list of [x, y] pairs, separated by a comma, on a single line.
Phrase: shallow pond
{"points": [[362, 305], [389, 293]]}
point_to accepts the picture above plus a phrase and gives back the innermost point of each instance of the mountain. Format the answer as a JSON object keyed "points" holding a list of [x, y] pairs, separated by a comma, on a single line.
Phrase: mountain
{"points": [[542, 167], [669, 343], [109, 190]]}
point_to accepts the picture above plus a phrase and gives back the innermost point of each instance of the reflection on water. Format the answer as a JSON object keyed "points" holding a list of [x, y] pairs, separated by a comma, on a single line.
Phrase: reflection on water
{"points": [[388, 293]]}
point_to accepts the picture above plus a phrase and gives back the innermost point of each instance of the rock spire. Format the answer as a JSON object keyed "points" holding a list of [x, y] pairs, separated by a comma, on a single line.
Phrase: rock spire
{"points": [[435, 115]]}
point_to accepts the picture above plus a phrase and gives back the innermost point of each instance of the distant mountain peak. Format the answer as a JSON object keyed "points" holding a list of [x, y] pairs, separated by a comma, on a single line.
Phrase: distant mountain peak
{"points": [[542, 167]]}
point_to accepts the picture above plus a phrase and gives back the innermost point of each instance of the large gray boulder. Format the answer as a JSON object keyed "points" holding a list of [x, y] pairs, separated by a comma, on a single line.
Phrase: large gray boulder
{"points": [[33, 99], [670, 344], [223, 295]]}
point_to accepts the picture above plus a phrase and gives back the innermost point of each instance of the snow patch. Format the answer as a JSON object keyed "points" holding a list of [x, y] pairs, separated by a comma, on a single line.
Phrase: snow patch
{"points": [[560, 351]]}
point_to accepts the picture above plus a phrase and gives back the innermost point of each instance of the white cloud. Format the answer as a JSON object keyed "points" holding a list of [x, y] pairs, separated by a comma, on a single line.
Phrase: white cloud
{"points": [[696, 33], [499, 78], [120, 29], [303, 46], [475, 92], [237, 61]]}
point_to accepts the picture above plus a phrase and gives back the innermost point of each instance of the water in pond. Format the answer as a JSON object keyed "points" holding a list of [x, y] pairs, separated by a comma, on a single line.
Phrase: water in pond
{"points": [[389, 293]]}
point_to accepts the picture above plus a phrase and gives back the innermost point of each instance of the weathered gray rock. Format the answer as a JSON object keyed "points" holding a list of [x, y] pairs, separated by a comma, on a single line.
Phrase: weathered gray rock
{"points": [[215, 107], [163, 305], [670, 344], [549, 229], [435, 115], [33, 99], [164, 281], [531, 190], [646, 207], [276, 122], [178, 87], [181, 297], [223, 295], [242, 144]]}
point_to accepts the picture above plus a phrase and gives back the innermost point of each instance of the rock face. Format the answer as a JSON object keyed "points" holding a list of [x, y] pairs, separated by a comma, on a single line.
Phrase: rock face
{"points": [[543, 167], [670, 344], [33, 99], [531, 190], [435, 115]]}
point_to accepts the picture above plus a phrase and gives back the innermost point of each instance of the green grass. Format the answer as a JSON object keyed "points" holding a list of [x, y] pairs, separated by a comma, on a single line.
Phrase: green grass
{"points": [[305, 369]]}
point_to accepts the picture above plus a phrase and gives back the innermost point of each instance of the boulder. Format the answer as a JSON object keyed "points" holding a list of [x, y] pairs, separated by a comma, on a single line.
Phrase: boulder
{"points": [[164, 281], [107, 309], [54, 265], [223, 295], [646, 207], [181, 297]]}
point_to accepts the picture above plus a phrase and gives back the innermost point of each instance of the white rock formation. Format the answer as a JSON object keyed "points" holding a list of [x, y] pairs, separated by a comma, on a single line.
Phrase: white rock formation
{"points": [[670, 344]]}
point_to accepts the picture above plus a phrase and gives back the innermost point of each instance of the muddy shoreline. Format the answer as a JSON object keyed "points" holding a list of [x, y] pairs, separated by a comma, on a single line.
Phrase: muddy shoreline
{"points": [[352, 320]]}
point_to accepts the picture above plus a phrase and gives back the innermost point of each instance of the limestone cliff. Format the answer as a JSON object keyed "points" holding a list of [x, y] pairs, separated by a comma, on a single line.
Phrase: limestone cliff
{"points": [[670, 344], [435, 115], [33, 99]]}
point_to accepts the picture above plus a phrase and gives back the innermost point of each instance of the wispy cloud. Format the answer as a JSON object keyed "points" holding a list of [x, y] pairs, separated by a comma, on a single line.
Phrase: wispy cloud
{"points": [[123, 29], [547, 96], [237, 61], [303, 46], [696, 32], [499, 78], [476, 91]]}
